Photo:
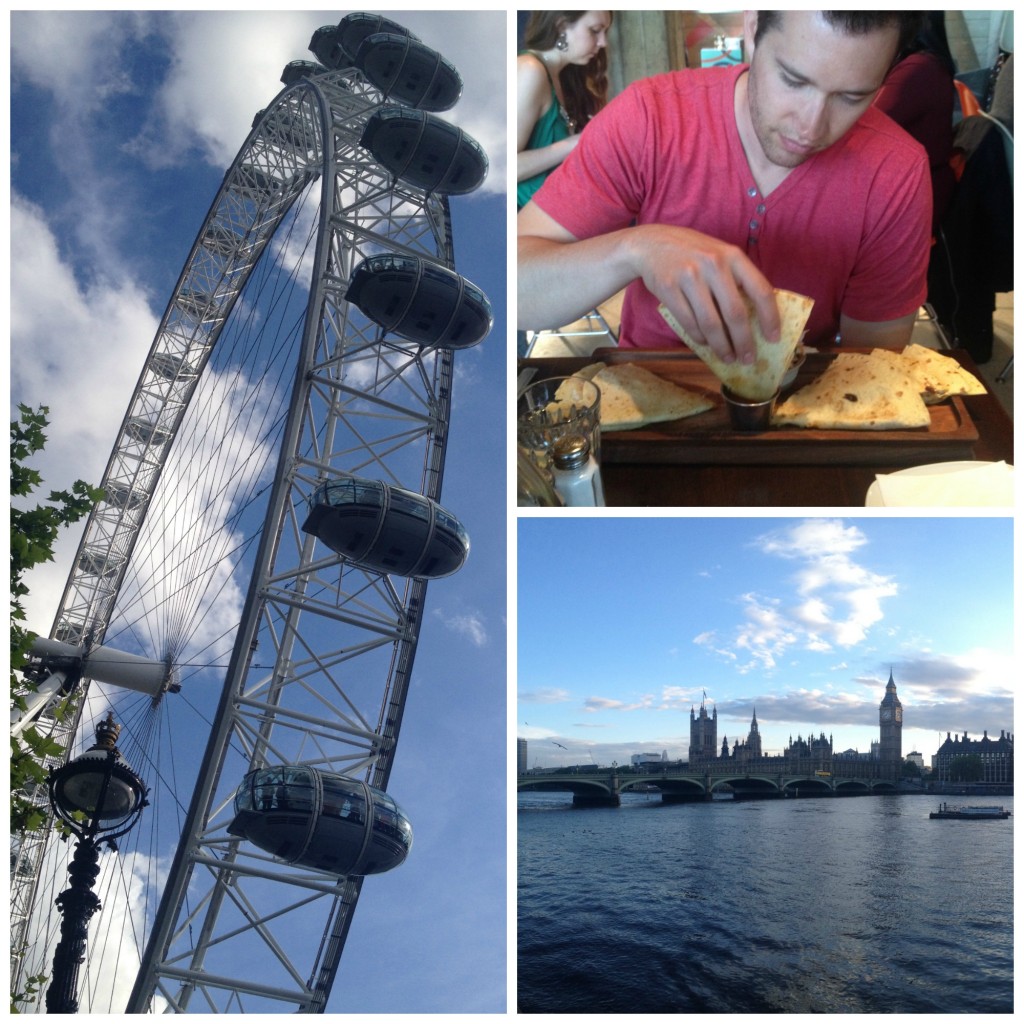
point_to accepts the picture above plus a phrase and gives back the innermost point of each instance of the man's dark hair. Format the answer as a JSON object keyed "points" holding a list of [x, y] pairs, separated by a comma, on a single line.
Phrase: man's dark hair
{"points": [[855, 23]]}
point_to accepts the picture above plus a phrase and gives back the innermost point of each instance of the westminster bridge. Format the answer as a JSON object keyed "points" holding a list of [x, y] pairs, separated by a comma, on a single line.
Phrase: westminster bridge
{"points": [[767, 778]]}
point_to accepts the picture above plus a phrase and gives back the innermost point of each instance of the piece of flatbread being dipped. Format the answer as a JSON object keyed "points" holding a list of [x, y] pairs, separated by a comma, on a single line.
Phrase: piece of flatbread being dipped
{"points": [[858, 391], [939, 376], [759, 380], [633, 397]]}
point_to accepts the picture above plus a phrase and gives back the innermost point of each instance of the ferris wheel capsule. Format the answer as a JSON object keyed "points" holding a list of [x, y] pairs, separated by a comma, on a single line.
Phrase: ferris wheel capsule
{"points": [[387, 529], [335, 45], [409, 71], [425, 151], [420, 300], [124, 495], [296, 70], [321, 820], [170, 365], [138, 428], [96, 562]]}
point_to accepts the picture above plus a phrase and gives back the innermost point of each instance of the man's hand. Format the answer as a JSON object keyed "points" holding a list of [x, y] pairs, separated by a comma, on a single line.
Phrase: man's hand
{"points": [[705, 284]]}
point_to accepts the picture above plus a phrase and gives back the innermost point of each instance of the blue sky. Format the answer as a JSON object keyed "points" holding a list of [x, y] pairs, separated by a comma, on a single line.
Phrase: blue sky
{"points": [[624, 623], [122, 126]]}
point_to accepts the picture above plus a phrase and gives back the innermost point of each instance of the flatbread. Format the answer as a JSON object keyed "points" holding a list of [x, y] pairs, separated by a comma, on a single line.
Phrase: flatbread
{"points": [[632, 397], [939, 376], [858, 391], [759, 380]]}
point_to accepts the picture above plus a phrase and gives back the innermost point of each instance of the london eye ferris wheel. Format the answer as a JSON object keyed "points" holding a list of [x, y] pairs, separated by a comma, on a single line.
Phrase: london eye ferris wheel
{"points": [[272, 515]]}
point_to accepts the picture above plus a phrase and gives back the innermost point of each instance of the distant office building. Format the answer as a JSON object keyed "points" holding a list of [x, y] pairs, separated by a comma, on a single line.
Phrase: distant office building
{"points": [[637, 759], [521, 762], [996, 756], [915, 757]]}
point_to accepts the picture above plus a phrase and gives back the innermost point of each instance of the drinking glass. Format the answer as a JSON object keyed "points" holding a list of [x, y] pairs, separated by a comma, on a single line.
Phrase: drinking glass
{"points": [[555, 408]]}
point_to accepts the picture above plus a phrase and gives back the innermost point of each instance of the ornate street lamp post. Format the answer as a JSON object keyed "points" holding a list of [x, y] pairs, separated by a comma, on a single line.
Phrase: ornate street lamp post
{"points": [[99, 798]]}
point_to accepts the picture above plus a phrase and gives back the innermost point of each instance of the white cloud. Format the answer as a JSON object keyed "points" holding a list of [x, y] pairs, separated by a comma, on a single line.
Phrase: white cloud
{"points": [[238, 58], [74, 54], [234, 56], [813, 611], [767, 633], [55, 323], [840, 600], [467, 624], [813, 539], [593, 704], [545, 696]]}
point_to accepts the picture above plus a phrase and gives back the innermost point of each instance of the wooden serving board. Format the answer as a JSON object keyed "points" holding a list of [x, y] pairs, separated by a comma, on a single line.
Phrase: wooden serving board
{"points": [[709, 439]]}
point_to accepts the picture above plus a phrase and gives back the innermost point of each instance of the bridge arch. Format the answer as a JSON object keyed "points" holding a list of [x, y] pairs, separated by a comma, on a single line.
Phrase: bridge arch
{"points": [[747, 785], [852, 787], [582, 785], [804, 784]]}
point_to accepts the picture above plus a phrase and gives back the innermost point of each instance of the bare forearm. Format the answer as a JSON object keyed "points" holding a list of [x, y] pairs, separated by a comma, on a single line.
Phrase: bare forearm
{"points": [[558, 282], [706, 284]]}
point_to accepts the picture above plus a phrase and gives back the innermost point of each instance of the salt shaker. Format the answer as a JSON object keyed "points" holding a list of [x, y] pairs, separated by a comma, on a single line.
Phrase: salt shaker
{"points": [[576, 473]]}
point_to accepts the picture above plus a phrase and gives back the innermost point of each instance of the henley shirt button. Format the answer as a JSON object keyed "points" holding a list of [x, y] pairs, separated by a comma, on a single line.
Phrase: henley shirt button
{"points": [[754, 225], [752, 192], [761, 207], [752, 240]]}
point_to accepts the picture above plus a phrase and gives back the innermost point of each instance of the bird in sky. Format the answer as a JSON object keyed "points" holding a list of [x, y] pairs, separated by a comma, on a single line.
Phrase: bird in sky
{"points": [[559, 745]]}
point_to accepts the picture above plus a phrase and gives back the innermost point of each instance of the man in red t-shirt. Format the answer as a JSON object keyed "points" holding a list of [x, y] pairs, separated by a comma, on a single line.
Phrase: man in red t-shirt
{"points": [[700, 188]]}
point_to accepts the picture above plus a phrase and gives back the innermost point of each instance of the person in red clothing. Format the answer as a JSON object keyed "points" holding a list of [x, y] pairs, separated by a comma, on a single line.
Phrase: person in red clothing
{"points": [[703, 189]]}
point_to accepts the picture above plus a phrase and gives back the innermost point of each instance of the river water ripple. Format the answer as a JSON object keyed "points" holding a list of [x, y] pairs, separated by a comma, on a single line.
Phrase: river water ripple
{"points": [[855, 905]]}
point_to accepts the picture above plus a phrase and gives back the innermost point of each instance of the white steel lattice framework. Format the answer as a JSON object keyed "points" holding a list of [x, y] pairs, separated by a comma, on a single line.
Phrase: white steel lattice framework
{"points": [[321, 656]]}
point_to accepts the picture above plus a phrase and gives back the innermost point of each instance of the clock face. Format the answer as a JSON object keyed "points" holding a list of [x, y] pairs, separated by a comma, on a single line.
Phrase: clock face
{"points": [[887, 715], [899, 714]]}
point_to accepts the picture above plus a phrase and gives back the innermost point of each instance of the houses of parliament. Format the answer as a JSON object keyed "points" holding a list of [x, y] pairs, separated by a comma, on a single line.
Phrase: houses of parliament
{"points": [[818, 750]]}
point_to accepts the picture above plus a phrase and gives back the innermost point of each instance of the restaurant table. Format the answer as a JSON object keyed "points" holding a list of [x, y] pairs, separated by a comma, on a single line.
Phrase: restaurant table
{"points": [[778, 483]]}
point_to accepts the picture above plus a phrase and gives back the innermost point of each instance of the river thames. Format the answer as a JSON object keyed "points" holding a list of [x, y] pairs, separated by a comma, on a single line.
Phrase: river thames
{"points": [[828, 905]]}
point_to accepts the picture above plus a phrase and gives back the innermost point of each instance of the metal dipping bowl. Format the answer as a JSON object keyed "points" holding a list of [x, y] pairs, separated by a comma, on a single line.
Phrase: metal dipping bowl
{"points": [[747, 415]]}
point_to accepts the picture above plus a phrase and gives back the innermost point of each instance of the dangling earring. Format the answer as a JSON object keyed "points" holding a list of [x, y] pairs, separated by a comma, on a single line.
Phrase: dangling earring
{"points": [[561, 43]]}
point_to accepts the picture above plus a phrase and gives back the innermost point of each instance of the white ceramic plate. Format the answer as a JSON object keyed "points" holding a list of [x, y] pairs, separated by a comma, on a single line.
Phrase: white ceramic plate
{"points": [[874, 496]]}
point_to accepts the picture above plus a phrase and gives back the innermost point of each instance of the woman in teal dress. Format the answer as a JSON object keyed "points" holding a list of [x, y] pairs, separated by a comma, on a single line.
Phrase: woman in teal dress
{"points": [[562, 82]]}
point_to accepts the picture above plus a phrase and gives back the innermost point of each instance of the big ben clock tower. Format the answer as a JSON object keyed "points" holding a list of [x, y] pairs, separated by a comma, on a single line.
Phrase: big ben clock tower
{"points": [[890, 725]]}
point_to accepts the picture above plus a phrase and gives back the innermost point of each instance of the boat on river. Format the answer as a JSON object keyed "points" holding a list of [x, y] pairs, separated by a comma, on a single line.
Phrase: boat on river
{"points": [[970, 813]]}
